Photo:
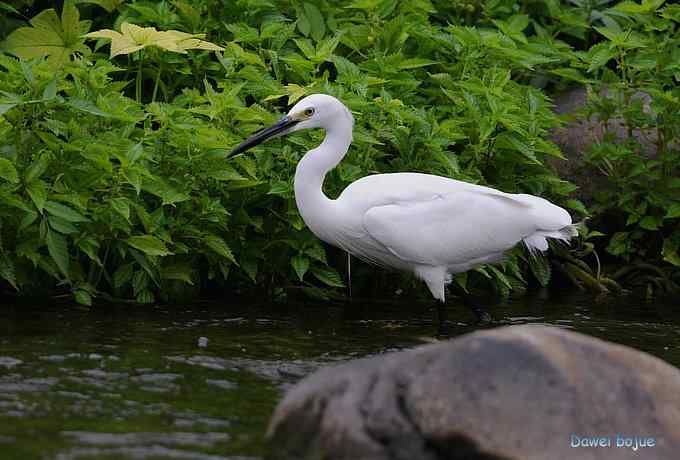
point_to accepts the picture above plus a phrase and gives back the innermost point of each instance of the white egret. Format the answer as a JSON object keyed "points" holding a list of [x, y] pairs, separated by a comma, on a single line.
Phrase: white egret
{"points": [[428, 225]]}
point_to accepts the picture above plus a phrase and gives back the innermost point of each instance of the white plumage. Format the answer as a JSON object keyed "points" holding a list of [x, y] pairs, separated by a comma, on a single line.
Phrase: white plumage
{"points": [[428, 225]]}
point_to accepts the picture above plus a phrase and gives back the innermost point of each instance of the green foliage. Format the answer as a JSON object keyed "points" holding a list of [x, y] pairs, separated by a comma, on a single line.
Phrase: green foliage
{"points": [[634, 94], [120, 189]]}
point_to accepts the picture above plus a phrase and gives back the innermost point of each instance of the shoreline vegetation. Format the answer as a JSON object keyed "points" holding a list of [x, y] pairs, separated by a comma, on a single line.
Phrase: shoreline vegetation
{"points": [[117, 118]]}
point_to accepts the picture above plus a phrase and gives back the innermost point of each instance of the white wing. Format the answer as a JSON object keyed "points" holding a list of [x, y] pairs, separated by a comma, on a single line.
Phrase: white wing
{"points": [[457, 228]]}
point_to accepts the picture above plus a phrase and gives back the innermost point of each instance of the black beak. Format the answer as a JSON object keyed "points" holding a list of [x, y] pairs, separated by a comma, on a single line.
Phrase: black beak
{"points": [[262, 135]]}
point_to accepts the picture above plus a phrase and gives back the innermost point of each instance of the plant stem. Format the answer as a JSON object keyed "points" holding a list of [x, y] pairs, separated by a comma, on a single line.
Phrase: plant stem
{"points": [[138, 86], [158, 79]]}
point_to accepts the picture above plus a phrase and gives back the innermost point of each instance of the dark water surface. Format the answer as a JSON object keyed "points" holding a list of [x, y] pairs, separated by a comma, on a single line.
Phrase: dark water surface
{"points": [[200, 382]]}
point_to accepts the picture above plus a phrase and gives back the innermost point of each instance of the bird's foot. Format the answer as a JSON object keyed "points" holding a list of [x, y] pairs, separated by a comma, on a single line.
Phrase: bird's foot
{"points": [[481, 315], [445, 326]]}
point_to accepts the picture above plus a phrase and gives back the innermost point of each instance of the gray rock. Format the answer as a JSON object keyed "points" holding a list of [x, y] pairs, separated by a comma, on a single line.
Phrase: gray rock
{"points": [[576, 137], [519, 392]]}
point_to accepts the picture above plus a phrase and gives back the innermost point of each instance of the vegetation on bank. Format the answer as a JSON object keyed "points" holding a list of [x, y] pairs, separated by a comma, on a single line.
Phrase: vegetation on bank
{"points": [[117, 118]]}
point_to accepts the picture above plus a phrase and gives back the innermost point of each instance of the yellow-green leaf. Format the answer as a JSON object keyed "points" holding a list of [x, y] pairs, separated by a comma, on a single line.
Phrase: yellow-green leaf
{"points": [[133, 38], [49, 36]]}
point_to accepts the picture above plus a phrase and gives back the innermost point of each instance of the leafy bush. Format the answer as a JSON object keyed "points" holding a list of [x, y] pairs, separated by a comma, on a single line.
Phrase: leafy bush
{"points": [[633, 75], [115, 178]]}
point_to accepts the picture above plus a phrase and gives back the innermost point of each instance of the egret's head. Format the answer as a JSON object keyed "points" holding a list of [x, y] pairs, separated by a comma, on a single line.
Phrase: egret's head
{"points": [[315, 111]]}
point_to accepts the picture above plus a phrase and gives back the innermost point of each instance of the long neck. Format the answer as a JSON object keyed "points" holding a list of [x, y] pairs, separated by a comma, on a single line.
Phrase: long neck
{"points": [[312, 203]]}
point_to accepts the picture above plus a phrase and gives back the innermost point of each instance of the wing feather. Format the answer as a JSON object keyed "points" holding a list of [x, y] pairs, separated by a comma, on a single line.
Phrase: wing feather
{"points": [[452, 228]]}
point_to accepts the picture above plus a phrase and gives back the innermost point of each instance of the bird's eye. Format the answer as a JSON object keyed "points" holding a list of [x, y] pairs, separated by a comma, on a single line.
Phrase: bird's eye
{"points": [[309, 112]]}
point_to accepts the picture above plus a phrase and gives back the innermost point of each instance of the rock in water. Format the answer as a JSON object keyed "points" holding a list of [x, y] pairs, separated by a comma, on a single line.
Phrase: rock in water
{"points": [[518, 392]]}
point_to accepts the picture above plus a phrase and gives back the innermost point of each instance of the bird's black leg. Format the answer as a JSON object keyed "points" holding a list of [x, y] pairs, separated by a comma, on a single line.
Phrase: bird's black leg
{"points": [[443, 323], [481, 315]]}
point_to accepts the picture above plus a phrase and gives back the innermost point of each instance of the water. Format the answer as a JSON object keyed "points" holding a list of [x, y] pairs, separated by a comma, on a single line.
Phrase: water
{"points": [[200, 382]]}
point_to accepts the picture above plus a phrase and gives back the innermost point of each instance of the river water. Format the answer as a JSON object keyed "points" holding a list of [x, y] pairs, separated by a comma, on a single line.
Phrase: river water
{"points": [[200, 382]]}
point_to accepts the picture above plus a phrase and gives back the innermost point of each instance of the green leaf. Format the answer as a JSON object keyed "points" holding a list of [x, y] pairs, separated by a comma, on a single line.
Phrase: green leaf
{"points": [[219, 247], [8, 171], [317, 24], [649, 223], [28, 219], [149, 245], [326, 48], [122, 275], [603, 55], [306, 47], [134, 179], [181, 271], [511, 142], [328, 276], [500, 276], [122, 207], [7, 271], [303, 24], [317, 252], [35, 170], [577, 205], [87, 107], [670, 252], [673, 211], [108, 5], [7, 7], [250, 266], [50, 91], [165, 192], [647, 6], [571, 74], [225, 173], [145, 296], [64, 212], [619, 244], [61, 225], [243, 33], [83, 297], [37, 190], [540, 267], [414, 63], [7, 106], [300, 264], [90, 246], [280, 188], [57, 247]]}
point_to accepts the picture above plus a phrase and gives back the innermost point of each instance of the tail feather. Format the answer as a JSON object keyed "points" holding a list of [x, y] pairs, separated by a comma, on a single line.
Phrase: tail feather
{"points": [[538, 242]]}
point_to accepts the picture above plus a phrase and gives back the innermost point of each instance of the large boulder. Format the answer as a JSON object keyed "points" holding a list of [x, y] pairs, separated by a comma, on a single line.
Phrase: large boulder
{"points": [[518, 392]]}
